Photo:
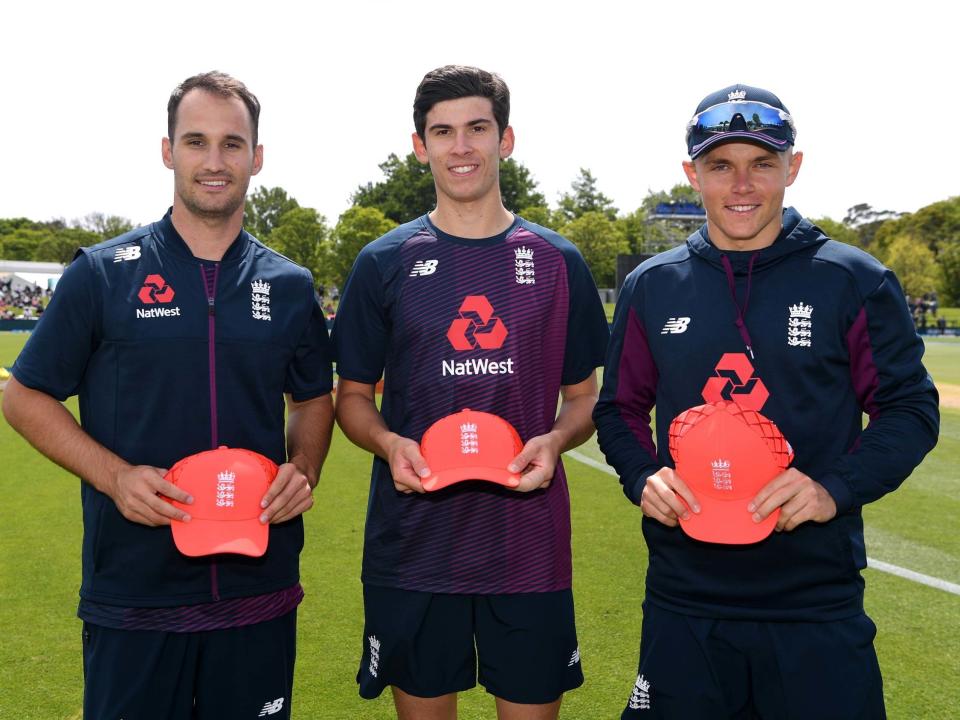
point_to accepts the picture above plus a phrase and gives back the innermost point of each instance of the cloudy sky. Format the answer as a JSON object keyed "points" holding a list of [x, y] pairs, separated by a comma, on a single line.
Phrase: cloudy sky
{"points": [[600, 84]]}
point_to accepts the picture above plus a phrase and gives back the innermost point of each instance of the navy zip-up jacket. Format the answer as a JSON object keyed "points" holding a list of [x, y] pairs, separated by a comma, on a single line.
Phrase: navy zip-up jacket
{"points": [[825, 336], [166, 366]]}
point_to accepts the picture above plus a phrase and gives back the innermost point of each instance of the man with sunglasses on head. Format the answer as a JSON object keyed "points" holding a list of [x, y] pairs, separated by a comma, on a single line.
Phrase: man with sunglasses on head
{"points": [[760, 308]]}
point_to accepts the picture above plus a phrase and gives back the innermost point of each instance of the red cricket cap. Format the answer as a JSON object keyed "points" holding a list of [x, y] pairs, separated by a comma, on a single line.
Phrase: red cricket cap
{"points": [[725, 454], [470, 445], [227, 485]]}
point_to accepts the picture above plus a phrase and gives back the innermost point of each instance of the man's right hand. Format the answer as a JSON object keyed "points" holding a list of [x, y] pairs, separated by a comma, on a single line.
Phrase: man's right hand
{"points": [[660, 499], [407, 465], [137, 489]]}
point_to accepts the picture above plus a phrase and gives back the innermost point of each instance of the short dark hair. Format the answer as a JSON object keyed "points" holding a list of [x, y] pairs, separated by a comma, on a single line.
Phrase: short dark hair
{"points": [[452, 82], [217, 83]]}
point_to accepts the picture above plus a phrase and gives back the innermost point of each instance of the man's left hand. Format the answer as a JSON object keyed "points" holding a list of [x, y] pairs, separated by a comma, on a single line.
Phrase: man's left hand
{"points": [[290, 494], [799, 497], [536, 463]]}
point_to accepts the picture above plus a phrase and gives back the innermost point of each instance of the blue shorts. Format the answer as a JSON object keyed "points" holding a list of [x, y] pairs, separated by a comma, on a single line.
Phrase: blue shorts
{"points": [[703, 669], [523, 647], [232, 674]]}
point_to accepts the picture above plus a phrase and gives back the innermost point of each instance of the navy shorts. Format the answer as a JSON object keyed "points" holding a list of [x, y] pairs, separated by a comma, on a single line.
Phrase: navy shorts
{"points": [[703, 669], [523, 647], [232, 674]]}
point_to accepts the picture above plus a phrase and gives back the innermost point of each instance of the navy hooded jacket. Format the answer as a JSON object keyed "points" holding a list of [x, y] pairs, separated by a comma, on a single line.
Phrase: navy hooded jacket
{"points": [[826, 336]]}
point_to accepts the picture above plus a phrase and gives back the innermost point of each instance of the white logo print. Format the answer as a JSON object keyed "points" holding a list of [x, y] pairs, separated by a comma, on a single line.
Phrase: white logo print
{"points": [[800, 325], [524, 266], [225, 488], [737, 95], [640, 697], [374, 654], [574, 658], [675, 325], [722, 476], [272, 707], [469, 439], [128, 252], [424, 267], [260, 300]]}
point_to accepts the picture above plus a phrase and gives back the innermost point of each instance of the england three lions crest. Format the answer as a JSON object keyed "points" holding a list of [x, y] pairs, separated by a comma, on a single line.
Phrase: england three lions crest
{"points": [[800, 325], [524, 266], [260, 300]]}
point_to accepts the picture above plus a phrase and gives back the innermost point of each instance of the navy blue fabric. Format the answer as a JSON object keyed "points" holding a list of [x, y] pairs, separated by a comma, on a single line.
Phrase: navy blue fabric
{"points": [[228, 674], [412, 309], [423, 643], [138, 355], [856, 352], [704, 669]]}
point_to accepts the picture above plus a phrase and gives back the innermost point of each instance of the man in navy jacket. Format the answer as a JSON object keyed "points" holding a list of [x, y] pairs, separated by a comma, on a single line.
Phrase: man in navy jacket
{"points": [[179, 337], [759, 307]]}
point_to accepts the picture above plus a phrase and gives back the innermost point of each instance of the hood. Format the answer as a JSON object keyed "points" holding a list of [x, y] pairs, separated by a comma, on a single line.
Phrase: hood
{"points": [[797, 234]]}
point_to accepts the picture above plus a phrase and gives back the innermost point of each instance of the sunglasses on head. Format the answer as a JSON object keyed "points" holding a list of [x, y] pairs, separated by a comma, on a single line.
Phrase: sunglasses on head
{"points": [[743, 116]]}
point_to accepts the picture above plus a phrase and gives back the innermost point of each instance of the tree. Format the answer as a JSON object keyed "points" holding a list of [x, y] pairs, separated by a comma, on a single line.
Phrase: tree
{"points": [[866, 221], [600, 241], [357, 227], [301, 235], [586, 198], [106, 226], [407, 190], [839, 231], [264, 209], [914, 264], [518, 188], [60, 246], [541, 215]]}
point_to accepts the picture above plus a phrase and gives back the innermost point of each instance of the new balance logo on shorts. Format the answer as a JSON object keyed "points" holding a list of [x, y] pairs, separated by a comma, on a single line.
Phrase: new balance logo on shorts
{"points": [[574, 658], [271, 707], [675, 326], [424, 267]]}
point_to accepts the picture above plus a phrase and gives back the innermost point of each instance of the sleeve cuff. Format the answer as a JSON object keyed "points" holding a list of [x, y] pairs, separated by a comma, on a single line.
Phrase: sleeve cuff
{"points": [[633, 486], [839, 490]]}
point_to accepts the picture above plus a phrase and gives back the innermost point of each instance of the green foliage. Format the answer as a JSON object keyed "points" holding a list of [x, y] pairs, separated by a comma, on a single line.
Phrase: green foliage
{"points": [[914, 264], [357, 227], [301, 235], [405, 193], [106, 226], [544, 216], [839, 231], [518, 189], [866, 221], [586, 198], [600, 240], [264, 210]]}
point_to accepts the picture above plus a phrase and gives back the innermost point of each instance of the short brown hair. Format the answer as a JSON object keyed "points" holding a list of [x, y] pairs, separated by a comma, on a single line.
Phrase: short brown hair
{"points": [[217, 83], [452, 82]]}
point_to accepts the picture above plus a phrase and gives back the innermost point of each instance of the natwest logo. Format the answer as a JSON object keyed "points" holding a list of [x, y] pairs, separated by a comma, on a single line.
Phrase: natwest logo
{"points": [[155, 290], [477, 327], [736, 382]]}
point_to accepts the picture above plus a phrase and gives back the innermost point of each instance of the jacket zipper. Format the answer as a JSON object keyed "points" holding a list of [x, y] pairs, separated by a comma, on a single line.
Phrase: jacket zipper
{"points": [[210, 286]]}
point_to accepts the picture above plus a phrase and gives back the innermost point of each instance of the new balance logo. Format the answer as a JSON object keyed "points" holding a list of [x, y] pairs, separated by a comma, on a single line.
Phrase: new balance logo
{"points": [[675, 325], [129, 252], [575, 658], [424, 267], [271, 707]]}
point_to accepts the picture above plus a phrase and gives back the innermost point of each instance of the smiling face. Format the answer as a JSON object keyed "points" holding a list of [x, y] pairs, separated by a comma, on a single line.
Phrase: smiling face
{"points": [[463, 146], [742, 186], [212, 156]]}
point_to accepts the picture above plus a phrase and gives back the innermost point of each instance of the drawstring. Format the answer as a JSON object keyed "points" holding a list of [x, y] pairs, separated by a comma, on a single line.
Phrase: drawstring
{"points": [[741, 311]]}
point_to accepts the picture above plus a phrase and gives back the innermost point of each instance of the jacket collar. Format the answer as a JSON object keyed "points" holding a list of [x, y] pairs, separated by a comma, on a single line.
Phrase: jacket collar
{"points": [[171, 241]]}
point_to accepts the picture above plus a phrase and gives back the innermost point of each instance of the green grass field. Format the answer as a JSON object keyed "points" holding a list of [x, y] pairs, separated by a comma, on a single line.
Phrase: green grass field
{"points": [[916, 528]]}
